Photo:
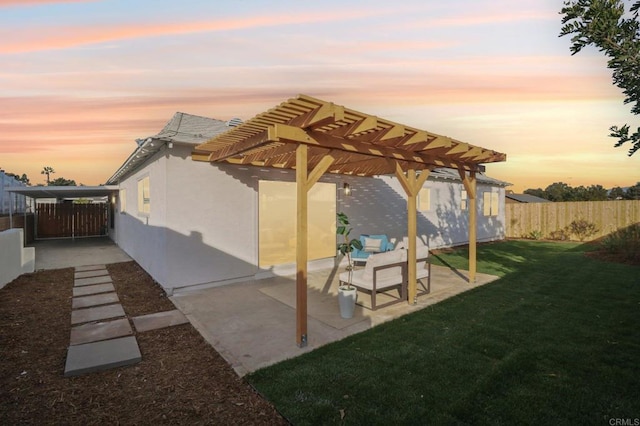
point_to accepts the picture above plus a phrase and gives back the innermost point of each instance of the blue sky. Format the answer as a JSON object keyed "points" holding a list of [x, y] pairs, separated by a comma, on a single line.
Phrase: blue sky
{"points": [[82, 79]]}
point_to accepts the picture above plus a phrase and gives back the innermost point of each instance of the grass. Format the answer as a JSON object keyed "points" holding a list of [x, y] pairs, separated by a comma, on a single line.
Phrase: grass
{"points": [[554, 341]]}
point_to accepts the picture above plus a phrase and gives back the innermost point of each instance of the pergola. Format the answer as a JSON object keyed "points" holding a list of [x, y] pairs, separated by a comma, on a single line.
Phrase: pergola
{"points": [[315, 137]]}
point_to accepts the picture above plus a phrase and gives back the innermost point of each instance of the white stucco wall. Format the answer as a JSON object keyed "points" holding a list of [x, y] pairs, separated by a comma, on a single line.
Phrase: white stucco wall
{"points": [[203, 224], [378, 206], [141, 236], [15, 259]]}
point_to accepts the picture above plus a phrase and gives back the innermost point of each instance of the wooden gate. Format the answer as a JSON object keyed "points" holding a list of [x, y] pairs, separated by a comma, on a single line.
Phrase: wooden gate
{"points": [[68, 220]]}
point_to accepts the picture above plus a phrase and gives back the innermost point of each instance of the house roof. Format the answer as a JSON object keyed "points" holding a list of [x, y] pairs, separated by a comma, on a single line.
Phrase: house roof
{"points": [[63, 191], [451, 174], [361, 144], [183, 128], [526, 198]]}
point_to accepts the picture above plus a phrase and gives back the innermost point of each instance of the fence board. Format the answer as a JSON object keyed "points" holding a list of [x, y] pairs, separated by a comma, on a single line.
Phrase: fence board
{"points": [[524, 218], [64, 220]]}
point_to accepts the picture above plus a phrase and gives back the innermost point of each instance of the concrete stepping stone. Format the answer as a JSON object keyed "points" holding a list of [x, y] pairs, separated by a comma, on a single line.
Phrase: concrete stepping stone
{"points": [[91, 281], [159, 320], [89, 274], [94, 300], [95, 332], [93, 289], [99, 356], [97, 313], [89, 268]]}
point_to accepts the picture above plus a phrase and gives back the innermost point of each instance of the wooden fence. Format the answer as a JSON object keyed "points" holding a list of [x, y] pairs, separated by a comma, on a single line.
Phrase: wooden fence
{"points": [[18, 221], [63, 220], [525, 219]]}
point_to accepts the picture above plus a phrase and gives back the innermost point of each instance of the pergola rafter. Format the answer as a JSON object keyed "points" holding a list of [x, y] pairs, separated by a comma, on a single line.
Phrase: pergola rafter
{"points": [[316, 137]]}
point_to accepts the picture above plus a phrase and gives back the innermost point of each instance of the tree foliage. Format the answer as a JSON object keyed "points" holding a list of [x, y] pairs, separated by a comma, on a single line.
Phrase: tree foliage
{"points": [[560, 191], [62, 182], [46, 170], [606, 25]]}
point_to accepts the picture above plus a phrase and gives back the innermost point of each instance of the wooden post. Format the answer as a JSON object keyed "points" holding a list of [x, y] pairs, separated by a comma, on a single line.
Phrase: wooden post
{"points": [[469, 182], [412, 186], [304, 182], [301, 245]]}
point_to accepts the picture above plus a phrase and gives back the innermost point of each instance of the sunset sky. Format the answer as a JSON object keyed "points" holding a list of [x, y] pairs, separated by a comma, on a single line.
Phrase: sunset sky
{"points": [[81, 80]]}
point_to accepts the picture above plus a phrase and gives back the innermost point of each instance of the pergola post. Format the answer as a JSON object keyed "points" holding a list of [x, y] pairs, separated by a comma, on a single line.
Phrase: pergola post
{"points": [[301, 245], [304, 182], [469, 182], [412, 186]]}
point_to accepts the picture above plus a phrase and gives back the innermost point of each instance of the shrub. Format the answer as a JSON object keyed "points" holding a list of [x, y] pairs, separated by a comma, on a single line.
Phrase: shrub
{"points": [[559, 235], [624, 243], [534, 235], [582, 229]]}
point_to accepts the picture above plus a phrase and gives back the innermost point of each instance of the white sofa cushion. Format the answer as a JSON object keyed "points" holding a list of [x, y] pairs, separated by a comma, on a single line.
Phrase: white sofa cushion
{"points": [[382, 259]]}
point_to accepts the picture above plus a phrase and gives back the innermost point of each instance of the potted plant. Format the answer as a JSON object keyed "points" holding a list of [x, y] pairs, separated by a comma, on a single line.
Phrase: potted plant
{"points": [[347, 294]]}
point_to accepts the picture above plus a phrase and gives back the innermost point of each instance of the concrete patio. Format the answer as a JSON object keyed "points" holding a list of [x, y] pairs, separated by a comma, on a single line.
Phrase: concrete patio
{"points": [[69, 253], [252, 324]]}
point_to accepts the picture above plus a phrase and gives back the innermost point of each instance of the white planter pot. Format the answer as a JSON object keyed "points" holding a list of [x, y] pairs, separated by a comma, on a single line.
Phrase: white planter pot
{"points": [[347, 301]]}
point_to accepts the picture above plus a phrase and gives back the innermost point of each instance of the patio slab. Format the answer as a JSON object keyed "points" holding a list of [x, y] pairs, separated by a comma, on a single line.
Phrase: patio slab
{"points": [[70, 253], [95, 332], [159, 320], [94, 300], [252, 327], [89, 274], [98, 313], [92, 289], [99, 356], [91, 281]]}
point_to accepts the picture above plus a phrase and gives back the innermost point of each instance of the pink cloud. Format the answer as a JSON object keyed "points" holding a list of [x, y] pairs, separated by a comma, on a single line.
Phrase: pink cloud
{"points": [[50, 38], [9, 3]]}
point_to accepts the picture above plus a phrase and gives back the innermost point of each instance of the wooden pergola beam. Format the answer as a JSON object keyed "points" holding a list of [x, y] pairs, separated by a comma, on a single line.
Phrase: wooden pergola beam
{"points": [[411, 185], [469, 182], [304, 182]]}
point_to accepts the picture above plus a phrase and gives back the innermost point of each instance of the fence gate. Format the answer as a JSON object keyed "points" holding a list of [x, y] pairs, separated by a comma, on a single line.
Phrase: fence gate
{"points": [[68, 220]]}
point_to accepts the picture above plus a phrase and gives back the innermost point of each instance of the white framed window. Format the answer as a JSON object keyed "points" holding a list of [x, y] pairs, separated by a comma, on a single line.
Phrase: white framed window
{"points": [[490, 201], [464, 200], [144, 197], [424, 199], [123, 200]]}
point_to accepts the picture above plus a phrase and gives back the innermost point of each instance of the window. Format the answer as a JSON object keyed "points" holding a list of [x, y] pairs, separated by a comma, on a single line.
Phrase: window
{"points": [[424, 200], [464, 200], [144, 198], [490, 203], [277, 222], [123, 200]]}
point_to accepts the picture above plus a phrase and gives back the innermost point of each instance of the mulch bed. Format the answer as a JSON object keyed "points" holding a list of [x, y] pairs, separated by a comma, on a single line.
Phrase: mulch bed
{"points": [[180, 380]]}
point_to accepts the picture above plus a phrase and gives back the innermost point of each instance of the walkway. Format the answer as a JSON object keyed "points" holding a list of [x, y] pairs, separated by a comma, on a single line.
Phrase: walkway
{"points": [[101, 333], [69, 253]]}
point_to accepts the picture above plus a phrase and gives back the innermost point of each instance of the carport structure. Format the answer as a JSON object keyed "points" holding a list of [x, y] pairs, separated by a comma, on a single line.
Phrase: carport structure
{"points": [[315, 137]]}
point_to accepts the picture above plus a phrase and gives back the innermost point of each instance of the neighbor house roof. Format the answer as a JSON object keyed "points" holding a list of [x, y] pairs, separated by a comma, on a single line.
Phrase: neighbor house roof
{"points": [[183, 128], [361, 144], [451, 174], [526, 198]]}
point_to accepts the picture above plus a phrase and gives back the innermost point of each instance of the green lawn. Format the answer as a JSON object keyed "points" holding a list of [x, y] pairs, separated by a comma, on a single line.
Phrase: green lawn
{"points": [[555, 341]]}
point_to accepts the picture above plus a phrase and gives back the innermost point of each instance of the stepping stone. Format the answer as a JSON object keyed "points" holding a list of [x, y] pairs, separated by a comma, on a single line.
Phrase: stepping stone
{"points": [[89, 268], [159, 320], [92, 281], [94, 300], [95, 332], [89, 274], [100, 356], [92, 289], [96, 314]]}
